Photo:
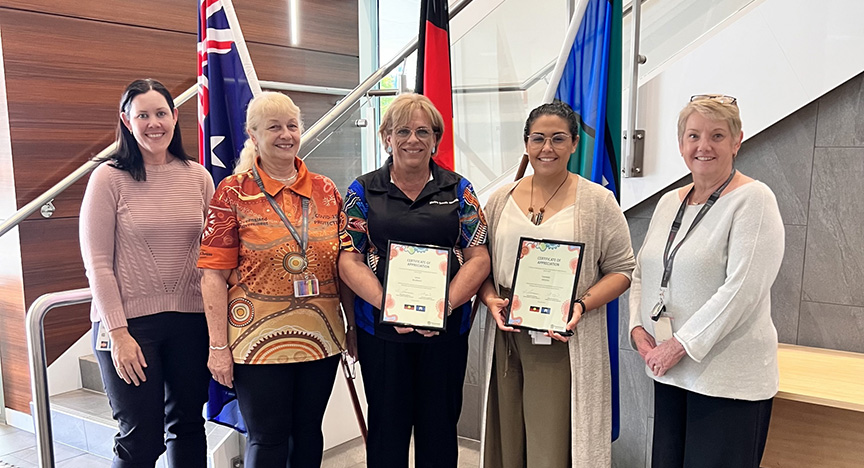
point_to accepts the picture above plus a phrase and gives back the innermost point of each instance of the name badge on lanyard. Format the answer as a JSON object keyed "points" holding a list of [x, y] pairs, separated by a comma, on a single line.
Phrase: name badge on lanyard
{"points": [[295, 263], [663, 323]]}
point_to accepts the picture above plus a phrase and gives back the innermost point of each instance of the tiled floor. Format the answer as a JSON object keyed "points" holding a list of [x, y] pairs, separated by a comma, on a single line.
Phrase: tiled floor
{"points": [[352, 455], [17, 449]]}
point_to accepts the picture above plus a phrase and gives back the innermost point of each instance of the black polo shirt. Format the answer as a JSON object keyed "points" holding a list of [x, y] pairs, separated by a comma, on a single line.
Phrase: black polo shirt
{"points": [[446, 213]]}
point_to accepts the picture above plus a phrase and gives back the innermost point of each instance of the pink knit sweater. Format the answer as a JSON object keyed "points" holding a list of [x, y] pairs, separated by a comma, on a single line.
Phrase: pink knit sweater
{"points": [[140, 240]]}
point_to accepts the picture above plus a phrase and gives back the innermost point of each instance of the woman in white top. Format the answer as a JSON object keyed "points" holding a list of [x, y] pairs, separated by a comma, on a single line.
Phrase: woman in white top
{"points": [[700, 308], [550, 405]]}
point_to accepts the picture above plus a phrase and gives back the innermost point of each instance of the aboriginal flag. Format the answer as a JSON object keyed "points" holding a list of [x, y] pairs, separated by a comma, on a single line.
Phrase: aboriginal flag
{"points": [[433, 71]]}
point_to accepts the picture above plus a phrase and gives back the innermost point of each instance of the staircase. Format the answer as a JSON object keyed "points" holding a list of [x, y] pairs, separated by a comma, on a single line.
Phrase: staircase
{"points": [[82, 419]]}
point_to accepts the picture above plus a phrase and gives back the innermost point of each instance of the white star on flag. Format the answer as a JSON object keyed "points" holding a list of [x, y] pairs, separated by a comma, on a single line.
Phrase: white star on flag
{"points": [[214, 160]]}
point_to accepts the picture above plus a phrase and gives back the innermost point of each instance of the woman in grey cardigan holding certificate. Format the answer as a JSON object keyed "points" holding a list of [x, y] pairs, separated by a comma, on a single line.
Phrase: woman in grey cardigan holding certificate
{"points": [[700, 308], [548, 398]]}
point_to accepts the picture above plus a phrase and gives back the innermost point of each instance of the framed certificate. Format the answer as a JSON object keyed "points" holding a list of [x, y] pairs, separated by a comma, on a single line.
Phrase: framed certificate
{"points": [[544, 284], [416, 286]]}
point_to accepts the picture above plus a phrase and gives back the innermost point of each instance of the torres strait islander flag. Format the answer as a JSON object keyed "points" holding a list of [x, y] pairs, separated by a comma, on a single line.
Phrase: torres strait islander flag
{"points": [[433, 71], [226, 83], [588, 78]]}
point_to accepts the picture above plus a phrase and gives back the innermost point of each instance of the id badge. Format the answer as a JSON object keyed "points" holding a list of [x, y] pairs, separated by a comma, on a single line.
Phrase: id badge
{"points": [[103, 339], [306, 286], [663, 329]]}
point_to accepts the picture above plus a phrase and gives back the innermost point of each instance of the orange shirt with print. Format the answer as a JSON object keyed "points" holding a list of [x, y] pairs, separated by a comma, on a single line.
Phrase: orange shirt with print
{"points": [[267, 324]]}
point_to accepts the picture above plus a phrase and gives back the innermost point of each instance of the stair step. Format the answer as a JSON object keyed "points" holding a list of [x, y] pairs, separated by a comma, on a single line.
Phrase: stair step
{"points": [[91, 379], [82, 419]]}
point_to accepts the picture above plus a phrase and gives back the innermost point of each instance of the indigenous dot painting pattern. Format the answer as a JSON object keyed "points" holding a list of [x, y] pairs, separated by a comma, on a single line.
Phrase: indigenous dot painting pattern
{"points": [[267, 324]]}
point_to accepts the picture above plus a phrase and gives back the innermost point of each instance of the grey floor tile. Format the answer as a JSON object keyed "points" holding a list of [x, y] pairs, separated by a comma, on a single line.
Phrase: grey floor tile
{"points": [[85, 461], [11, 460], [16, 441], [351, 455], [61, 452]]}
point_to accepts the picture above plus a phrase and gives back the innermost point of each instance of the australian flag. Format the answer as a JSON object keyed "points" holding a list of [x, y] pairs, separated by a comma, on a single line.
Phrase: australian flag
{"points": [[226, 83]]}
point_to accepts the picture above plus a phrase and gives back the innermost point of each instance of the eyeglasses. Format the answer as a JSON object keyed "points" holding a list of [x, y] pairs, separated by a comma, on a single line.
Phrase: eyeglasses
{"points": [[721, 98], [559, 140], [422, 133]]}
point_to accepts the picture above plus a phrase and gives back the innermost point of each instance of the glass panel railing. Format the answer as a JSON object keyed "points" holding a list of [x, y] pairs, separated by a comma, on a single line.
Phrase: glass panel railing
{"points": [[500, 71], [670, 26], [500, 68], [336, 151]]}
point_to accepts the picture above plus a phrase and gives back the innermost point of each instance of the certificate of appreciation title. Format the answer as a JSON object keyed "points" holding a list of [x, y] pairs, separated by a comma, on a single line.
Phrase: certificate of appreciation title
{"points": [[544, 284], [416, 286]]}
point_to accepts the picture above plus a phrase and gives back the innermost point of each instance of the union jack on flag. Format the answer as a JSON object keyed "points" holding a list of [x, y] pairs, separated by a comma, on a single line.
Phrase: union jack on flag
{"points": [[226, 83]]}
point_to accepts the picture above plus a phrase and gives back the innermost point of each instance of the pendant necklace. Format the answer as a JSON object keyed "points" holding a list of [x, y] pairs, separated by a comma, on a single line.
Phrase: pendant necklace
{"points": [[537, 217]]}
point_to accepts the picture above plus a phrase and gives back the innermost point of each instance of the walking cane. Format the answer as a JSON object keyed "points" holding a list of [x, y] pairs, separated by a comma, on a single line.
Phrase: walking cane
{"points": [[355, 400]]}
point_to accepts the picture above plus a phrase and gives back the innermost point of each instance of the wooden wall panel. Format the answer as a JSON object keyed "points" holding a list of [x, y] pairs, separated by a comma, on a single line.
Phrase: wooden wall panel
{"points": [[66, 65], [52, 259], [63, 99], [325, 25]]}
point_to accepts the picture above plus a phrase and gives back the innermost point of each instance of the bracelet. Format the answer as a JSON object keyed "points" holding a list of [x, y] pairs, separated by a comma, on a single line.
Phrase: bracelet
{"points": [[218, 348], [581, 303]]}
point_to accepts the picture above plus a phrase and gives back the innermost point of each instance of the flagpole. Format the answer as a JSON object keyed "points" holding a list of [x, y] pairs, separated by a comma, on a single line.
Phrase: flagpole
{"points": [[240, 43], [575, 22]]}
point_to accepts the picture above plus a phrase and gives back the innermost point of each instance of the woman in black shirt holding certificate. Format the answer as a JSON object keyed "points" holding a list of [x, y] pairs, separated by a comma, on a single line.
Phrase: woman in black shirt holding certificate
{"points": [[412, 377]]}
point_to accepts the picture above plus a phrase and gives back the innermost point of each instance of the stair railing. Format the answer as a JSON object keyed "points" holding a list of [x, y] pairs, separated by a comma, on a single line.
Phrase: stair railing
{"points": [[39, 366]]}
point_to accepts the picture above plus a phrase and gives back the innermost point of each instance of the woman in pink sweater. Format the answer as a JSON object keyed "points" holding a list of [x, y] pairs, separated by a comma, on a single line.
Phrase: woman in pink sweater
{"points": [[140, 229]]}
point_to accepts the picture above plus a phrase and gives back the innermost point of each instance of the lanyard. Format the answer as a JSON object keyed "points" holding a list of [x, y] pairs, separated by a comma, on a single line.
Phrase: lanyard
{"points": [[668, 257], [301, 242]]}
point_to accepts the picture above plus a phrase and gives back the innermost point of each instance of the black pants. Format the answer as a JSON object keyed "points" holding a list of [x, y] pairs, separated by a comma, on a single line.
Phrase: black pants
{"points": [[697, 431], [412, 385], [172, 399], [283, 406]]}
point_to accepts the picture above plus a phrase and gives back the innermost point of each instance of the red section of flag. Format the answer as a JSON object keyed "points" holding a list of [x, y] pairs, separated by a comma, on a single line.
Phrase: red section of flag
{"points": [[433, 71]]}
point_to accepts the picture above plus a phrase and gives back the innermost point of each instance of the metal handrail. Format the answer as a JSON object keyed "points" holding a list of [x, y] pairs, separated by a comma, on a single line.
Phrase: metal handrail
{"points": [[39, 366], [103, 155], [73, 177], [363, 88]]}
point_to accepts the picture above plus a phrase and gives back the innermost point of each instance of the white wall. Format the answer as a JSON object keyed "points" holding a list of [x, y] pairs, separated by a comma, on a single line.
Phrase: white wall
{"points": [[775, 56]]}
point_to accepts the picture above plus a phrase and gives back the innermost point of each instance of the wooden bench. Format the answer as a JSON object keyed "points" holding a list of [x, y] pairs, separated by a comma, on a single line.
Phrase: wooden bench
{"points": [[818, 415]]}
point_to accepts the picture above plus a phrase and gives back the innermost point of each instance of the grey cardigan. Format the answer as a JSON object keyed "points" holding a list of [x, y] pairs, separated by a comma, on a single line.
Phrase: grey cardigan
{"points": [[600, 224]]}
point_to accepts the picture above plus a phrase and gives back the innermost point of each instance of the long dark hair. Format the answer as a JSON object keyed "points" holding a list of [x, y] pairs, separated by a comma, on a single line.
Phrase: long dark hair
{"points": [[128, 157]]}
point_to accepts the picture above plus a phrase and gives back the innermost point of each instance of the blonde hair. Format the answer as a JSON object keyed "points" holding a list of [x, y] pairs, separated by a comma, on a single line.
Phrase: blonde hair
{"points": [[262, 107], [400, 111], [711, 109]]}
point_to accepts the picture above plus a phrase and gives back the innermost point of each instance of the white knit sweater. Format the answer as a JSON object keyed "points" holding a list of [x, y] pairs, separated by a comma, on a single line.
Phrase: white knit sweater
{"points": [[719, 294]]}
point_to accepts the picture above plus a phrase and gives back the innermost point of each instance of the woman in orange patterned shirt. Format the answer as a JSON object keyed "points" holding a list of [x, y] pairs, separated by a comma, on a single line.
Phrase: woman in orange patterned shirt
{"points": [[270, 288]]}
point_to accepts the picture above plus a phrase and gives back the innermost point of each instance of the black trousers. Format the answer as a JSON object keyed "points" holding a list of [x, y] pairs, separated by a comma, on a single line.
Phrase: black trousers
{"points": [[412, 385], [166, 410], [697, 431], [283, 406]]}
